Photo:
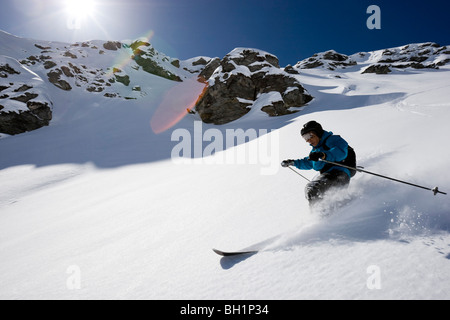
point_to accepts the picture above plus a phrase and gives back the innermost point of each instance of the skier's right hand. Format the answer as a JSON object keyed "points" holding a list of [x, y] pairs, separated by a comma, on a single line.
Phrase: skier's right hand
{"points": [[287, 163]]}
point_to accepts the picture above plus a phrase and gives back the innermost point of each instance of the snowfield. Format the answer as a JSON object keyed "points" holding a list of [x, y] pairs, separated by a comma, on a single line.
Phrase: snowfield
{"points": [[94, 206]]}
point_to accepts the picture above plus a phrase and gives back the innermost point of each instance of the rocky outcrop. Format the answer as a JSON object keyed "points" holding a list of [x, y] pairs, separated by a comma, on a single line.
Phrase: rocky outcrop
{"points": [[378, 69], [54, 77], [427, 55], [38, 115], [330, 60], [245, 79], [65, 69], [24, 105], [210, 67], [71, 66], [147, 57], [112, 45]]}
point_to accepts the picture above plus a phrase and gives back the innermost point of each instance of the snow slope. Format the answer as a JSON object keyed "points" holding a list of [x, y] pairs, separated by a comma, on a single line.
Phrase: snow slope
{"points": [[94, 207]]}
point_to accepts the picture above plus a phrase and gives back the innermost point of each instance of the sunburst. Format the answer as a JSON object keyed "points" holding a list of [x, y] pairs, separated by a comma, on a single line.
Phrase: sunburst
{"points": [[80, 9]]}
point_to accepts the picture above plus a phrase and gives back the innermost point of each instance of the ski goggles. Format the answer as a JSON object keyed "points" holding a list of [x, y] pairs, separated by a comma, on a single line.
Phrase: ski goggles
{"points": [[308, 136]]}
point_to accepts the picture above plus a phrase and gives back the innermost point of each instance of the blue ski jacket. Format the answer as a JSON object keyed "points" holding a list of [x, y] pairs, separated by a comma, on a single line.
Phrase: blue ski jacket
{"points": [[335, 149]]}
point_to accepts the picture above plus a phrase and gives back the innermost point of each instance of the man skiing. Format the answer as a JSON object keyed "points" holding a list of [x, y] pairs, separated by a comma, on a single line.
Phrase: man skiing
{"points": [[325, 146]]}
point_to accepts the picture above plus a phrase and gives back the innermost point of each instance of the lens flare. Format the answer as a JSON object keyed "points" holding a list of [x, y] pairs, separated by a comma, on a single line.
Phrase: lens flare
{"points": [[177, 103], [127, 57]]}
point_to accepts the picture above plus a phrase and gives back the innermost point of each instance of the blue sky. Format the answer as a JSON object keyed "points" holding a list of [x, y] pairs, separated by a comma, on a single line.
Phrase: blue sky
{"points": [[291, 30]]}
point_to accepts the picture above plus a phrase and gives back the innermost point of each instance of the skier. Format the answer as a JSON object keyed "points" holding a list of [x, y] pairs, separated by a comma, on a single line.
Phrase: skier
{"points": [[326, 146]]}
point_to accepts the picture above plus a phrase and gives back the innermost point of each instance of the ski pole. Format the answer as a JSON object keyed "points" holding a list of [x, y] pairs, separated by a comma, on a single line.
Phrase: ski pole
{"points": [[300, 174], [435, 189]]}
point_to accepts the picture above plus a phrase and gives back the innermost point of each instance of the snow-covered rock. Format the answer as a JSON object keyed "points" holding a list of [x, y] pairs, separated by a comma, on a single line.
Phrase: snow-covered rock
{"points": [[112, 69], [24, 101], [242, 80], [330, 60], [416, 56], [427, 55]]}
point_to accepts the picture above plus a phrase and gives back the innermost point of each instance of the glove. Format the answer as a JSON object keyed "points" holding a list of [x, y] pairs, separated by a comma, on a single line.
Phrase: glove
{"points": [[287, 163], [315, 156]]}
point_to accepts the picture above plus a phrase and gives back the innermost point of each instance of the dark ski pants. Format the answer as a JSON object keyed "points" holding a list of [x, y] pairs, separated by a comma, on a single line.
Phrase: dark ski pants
{"points": [[315, 190]]}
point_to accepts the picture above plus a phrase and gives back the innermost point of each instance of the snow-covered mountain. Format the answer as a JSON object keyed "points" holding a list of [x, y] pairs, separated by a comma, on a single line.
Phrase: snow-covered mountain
{"points": [[124, 70], [124, 193], [427, 55], [244, 79]]}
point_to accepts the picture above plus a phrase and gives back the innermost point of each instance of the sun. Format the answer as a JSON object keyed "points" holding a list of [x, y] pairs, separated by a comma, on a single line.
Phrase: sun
{"points": [[79, 9]]}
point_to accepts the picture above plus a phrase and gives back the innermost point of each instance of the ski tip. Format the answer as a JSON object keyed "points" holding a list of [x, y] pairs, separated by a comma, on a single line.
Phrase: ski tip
{"points": [[220, 253], [234, 253]]}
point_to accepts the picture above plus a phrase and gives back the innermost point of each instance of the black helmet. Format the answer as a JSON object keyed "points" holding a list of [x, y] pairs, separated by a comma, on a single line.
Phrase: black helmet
{"points": [[312, 126]]}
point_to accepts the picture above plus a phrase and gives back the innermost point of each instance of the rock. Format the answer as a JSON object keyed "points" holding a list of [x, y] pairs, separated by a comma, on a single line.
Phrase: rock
{"points": [[42, 111], [112, 45], [150, 60], [67, 71], [275, 108], [210, 67], [330, 59], [200, 61], [25, 105], [246, 78], [121, 76], [294, 96], [54, 77], [27, 96], [175, 63], [42, 47], [289, 69], [220, 103], [427, 55], [378, 69], [70, 55], [22, 88], [38, 116], [49, 64], [6, 69], [151, 66], [111, 95]]}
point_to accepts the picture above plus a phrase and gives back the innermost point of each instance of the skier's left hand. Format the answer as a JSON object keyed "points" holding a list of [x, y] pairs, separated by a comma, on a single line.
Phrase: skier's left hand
{"points": [[287, 163], [315, 156]]}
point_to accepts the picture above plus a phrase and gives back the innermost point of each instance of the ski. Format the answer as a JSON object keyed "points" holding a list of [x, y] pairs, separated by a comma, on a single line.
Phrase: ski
{"points": [[258, 247], [233, 253]]}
